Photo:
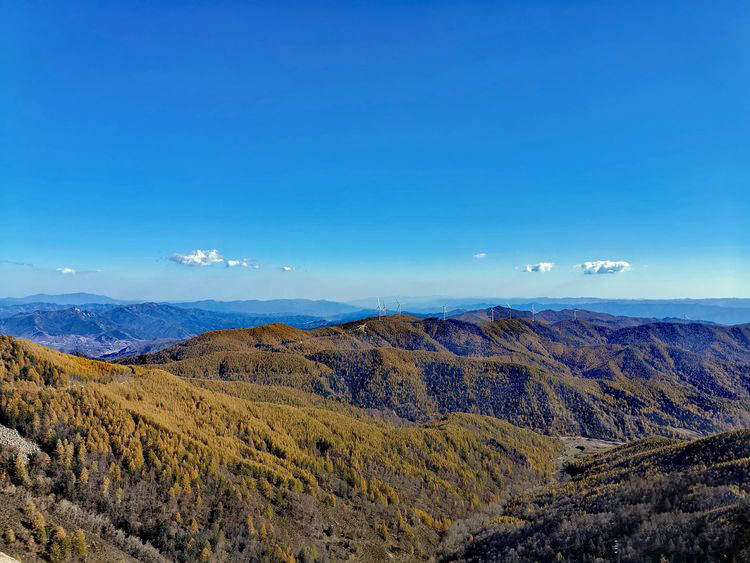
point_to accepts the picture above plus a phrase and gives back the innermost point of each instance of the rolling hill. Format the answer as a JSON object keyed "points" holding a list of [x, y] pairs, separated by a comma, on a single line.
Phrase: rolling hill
{"points": [[568, 377]]}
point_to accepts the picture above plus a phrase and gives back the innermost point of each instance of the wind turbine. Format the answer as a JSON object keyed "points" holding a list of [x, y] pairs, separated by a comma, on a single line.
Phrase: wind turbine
{"points": [[510, 310], [380, 308], [398, 304], [445, 310], [492, 312], [532, 312], [575, 317]]}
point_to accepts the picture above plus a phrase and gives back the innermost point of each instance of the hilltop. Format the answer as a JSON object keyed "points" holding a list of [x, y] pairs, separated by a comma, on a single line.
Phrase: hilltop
{"points": [[583, 377]]}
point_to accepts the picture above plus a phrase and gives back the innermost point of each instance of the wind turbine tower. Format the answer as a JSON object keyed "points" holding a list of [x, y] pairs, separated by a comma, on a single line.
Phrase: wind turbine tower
{"points": [[445, 311]]}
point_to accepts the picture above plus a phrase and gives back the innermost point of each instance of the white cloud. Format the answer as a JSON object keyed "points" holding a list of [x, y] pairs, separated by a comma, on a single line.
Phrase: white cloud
{"points": [[73, 271], [234, 263], [539, 267], [480, 255], [198, 257], [605, 266], [287, 268]]}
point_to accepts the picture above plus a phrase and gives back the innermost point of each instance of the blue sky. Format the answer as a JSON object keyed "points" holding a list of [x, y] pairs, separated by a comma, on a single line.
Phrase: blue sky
{"points": [[375, 148]]}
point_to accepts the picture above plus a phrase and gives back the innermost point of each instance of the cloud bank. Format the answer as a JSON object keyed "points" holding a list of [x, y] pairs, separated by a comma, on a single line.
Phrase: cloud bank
{"points": [[287, 268], [605, 266], [480, 255], [198, 257], [539, 267], [14, 263], [203, 258]]}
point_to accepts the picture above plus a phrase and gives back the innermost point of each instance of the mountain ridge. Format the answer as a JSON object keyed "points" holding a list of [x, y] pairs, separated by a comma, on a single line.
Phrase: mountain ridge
{"points": [[565, 377], [65, 299]]}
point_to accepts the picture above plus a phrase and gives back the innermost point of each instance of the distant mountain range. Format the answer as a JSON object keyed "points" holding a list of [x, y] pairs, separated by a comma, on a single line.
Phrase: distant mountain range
{"points": [[110, 331], [552, 316], [727, 311], [718, 310], [319, 308], [63, 299], [105, 328], [310, 307], [723, 311], [7, 311]]}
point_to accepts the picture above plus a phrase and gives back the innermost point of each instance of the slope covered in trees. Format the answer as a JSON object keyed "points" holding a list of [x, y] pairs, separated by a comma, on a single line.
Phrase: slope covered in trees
{"points": [[651, 500], [569, 377], [165, 467]]}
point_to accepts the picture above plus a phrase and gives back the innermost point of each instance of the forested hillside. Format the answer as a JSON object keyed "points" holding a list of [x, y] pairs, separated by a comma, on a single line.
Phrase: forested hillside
{"points": [[651, 500], [158, 466], [569, 377]]}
